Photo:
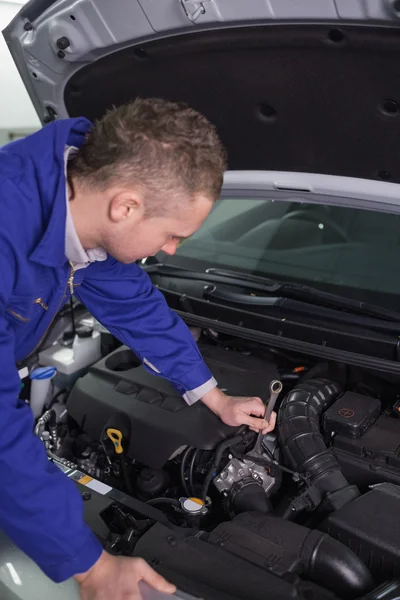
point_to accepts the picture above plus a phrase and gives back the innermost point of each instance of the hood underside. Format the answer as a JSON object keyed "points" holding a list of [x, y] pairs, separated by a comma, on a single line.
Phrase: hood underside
{"points": [[310, 91]]}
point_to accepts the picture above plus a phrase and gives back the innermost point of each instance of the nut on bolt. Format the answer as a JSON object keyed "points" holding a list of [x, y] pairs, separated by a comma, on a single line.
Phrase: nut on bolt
{"points": [[63, 43]]}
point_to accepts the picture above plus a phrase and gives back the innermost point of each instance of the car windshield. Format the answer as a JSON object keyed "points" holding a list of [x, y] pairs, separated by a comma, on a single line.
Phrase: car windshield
{"points": [[344, 250]]}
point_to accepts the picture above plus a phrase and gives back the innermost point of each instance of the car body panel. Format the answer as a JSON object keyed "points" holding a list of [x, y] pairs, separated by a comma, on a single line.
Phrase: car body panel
{"points": [[314, 82], [98, 29], [315, 188], [21, 578]]}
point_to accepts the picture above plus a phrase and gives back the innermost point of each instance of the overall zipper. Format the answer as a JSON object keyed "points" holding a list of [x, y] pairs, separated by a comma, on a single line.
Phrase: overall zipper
{"points": [[70, 284], [70, 281], [41, 303]]}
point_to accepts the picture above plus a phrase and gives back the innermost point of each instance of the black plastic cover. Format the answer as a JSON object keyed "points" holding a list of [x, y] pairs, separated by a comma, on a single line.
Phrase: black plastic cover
{"points": [[372, 458], [370, 527], [218, 574], [119, 392], [351, 415], [258, 556], [283, 547]]}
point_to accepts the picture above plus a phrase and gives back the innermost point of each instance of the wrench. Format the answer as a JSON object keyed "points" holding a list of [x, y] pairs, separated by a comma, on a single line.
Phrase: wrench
{"points": [[275, 389]]}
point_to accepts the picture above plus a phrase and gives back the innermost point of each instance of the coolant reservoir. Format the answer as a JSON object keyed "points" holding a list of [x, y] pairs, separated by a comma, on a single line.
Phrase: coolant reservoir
{"points": [[85, 350]]}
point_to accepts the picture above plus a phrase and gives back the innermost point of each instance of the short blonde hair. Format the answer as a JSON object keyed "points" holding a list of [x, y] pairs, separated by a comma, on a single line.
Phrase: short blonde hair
{"points": [[166, 149]]}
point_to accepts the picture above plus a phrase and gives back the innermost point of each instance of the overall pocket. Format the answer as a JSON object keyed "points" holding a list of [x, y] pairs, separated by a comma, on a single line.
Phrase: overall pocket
{"points": [[19, 309]]}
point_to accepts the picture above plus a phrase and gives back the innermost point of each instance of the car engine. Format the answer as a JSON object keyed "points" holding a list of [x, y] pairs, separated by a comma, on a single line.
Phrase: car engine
{"points": [[308, 509]]}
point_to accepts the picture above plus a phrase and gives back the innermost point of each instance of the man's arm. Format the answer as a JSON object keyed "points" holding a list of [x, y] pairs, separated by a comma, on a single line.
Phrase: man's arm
{"points": [[124, 300], [40, 509]]}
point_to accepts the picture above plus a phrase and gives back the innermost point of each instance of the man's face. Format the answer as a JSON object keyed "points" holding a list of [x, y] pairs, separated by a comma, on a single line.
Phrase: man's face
{"points": [[145, 236]]}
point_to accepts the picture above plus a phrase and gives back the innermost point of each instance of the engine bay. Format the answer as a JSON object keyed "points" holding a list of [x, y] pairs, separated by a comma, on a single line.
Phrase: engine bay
{"points": [[309, 512], [118, 392]]}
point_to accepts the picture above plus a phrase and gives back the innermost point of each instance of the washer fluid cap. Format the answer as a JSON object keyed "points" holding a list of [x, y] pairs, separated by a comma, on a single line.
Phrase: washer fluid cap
{"points": [[43, 373]]}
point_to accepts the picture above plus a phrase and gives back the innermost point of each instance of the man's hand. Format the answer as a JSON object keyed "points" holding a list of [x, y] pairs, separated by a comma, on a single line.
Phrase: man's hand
{"points": [[237, 410], [117, 578]]}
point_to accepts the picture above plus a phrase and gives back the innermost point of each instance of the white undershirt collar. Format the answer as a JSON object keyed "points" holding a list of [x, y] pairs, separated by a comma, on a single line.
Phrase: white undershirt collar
{"points": [[74, 250]]}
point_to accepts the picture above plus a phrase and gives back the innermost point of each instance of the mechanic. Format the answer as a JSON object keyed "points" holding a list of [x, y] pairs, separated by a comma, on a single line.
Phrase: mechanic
{"points": [[80, 203]]}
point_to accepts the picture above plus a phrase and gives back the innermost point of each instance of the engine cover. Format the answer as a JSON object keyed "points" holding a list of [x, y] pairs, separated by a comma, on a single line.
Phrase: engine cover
{"points": [[118, 392]]}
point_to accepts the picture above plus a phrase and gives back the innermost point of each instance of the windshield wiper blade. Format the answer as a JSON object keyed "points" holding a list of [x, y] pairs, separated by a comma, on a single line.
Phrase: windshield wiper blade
{"points": [[300, 291], [297, 291], [220, 294]]}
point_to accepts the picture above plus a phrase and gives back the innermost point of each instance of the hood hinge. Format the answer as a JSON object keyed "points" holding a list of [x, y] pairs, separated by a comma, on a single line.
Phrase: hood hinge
{"points": [[193, 9]]}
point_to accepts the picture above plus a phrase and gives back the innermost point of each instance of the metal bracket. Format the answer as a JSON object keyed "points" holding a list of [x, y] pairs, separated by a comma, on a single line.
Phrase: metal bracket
{"points": [[193, 10]]}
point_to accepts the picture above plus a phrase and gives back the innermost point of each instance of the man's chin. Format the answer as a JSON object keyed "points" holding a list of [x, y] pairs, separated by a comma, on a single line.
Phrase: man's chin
{"points": [[129, 261], [126, 260]]}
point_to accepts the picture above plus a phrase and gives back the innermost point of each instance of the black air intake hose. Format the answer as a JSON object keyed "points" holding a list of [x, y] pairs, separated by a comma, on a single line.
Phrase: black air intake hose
{"points": [[302, 442], [284, 547]]}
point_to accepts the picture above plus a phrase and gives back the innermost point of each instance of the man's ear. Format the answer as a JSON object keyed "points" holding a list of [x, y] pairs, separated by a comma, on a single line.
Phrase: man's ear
{"points": [[124, 205]]}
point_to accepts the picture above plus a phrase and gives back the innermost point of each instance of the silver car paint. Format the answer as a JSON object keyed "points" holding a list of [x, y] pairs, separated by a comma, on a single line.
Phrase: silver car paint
{"points": [[21, 578], [314, 188], [98, 28]]}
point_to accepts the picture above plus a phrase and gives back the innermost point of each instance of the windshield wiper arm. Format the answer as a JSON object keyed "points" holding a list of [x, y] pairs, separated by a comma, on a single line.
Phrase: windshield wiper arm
{"points": [[283, 289], [229, 277], [305, 292]]}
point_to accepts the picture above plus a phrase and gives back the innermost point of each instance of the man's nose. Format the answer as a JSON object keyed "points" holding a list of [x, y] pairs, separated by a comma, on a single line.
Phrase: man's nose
{"points": [[170, 248]]}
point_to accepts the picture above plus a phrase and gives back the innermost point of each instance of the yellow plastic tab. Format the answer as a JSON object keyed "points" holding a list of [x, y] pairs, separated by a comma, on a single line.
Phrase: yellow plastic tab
{"points": [[85, 480], [197, 501], [116, 437]]}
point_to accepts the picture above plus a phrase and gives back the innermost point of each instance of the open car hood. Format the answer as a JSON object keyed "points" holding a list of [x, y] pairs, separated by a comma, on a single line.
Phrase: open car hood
{"points": [[307, 86]]}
